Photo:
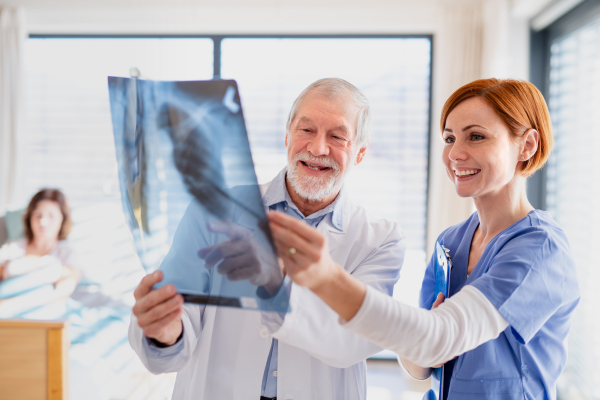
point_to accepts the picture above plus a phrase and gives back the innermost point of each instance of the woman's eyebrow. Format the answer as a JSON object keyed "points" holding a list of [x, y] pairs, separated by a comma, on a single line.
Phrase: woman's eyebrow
{"points": [[466, 128]]}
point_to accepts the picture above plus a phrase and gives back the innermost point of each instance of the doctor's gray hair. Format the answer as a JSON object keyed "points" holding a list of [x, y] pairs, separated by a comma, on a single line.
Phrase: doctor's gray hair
{"points": [[336, 87]]}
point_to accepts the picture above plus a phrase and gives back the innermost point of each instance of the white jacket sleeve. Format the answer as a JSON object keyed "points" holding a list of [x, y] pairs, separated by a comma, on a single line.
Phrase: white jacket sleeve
{"points": [[313, 327], [173, 358], [428, 337]]}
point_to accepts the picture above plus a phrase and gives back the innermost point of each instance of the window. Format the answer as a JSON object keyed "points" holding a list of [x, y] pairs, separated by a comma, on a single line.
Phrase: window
{"points": [[394, 74], [71, 135], [67, 108], [570, 180]]}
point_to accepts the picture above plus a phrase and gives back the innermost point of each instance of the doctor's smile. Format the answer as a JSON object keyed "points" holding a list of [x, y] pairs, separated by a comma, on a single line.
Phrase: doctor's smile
{"points": [[315, 167]]}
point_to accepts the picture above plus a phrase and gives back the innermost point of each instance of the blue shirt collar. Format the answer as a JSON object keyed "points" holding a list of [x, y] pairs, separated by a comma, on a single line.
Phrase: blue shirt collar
{"points": [[277, 193]]}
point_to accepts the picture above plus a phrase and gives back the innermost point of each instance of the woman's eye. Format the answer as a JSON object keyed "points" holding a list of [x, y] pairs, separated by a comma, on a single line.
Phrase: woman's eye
{"points": [[449, 139], [476, 136]]}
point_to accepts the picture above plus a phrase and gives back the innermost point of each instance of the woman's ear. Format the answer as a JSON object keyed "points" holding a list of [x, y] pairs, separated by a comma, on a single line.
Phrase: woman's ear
{"points": [[531, 138]]}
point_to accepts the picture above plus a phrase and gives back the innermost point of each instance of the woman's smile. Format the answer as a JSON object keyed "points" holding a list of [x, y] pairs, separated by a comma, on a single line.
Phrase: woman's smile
{"points": [[465, 174]]}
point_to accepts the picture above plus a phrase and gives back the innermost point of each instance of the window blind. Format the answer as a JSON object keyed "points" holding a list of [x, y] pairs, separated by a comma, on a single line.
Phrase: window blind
{"points": [[68, 118], [69, 126], [573, 190], [394, 74]]}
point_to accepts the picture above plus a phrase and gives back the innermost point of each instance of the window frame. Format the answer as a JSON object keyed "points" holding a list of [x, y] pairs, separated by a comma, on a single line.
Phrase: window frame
{"points": [[539, 73], [217, 41], [540, 55]]}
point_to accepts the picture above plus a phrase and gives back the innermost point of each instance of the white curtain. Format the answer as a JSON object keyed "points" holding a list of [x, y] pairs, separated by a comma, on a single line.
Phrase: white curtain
{"points": [[470, 44], [12, 38]]}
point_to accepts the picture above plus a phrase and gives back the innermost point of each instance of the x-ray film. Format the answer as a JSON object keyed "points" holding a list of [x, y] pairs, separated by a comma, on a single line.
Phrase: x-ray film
{"points": [[190, 193]]}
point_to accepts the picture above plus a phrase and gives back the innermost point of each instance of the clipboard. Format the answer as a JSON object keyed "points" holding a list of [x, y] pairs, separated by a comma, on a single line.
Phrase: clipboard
{"points": [[442, 268]]}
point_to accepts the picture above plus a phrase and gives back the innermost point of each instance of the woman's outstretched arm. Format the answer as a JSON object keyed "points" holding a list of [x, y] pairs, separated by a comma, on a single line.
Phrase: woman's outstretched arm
{"points": [[424, 337]]}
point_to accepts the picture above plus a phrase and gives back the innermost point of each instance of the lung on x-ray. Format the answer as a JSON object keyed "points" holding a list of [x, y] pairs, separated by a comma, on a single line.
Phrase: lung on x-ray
{"points": [[190, 193]]}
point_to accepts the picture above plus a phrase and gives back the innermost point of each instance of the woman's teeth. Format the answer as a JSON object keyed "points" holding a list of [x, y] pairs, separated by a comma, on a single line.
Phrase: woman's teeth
{"points": [[467, 172]]}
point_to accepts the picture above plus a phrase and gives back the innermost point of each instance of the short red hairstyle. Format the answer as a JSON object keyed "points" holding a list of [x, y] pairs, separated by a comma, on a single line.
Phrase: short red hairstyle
{"points": [[56, 196], [519, 104]]}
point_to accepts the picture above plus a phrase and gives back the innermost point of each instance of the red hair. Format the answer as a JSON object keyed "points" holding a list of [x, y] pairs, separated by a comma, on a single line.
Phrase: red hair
{"points": [[519, 104]]}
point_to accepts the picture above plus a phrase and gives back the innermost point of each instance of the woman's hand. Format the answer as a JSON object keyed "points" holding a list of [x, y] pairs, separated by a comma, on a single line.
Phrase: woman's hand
{"points": [[307, 261], [66, 284], [304, 251]]}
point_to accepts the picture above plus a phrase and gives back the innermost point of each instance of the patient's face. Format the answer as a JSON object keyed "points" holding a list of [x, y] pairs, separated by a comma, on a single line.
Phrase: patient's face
{"points": [[46, 220], [321, 145], [480, 154]]}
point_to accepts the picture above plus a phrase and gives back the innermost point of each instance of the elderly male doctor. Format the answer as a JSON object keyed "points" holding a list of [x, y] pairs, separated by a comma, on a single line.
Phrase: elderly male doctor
{"points": [[233, 354]]}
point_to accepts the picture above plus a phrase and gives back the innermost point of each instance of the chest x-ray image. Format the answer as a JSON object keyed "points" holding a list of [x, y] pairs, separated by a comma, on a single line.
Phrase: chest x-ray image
{"points": [[190, 193]]}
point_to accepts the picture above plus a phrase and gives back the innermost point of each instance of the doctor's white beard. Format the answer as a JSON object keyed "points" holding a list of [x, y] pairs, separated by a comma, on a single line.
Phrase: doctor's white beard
{"points": [[312, 187]]}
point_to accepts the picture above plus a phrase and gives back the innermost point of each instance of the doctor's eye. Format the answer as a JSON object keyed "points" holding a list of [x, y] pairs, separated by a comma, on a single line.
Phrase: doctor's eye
{"points": [[476, 136], [449, 139]]}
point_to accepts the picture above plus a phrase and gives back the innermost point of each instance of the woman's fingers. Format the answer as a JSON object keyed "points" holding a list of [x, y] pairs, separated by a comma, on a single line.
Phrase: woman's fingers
{"points": [[440, 299], [288, 239], [294, 262], [300, 228]]}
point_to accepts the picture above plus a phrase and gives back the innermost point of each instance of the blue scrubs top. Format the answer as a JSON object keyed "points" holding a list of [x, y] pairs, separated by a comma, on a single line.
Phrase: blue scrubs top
{"points": [[528, 274]]}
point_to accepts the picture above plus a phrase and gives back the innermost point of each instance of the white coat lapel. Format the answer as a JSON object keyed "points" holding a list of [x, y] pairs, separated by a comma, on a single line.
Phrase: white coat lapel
{"points": [[333, 235]]}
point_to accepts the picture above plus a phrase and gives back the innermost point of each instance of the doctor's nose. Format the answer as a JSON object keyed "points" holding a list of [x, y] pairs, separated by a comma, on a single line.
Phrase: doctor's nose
{"points": [[318, 145]]}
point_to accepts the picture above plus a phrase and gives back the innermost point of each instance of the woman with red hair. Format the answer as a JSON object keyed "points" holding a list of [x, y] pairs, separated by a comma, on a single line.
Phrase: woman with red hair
{"points": [[513, 288]]}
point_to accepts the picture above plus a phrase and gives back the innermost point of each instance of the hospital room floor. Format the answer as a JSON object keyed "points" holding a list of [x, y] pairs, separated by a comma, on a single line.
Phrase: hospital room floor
{"points": [[386, 380]]}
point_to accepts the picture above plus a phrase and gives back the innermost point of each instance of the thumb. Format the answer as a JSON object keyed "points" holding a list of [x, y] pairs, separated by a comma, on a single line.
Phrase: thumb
{"points": [[440, 299]]}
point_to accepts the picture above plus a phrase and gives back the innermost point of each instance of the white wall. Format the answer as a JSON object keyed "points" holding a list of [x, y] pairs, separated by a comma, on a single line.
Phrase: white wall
{"points": [[230, 16]]}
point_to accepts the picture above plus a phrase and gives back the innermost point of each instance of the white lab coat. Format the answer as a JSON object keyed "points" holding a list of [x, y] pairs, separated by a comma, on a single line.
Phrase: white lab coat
{"points": [[224, 350]]}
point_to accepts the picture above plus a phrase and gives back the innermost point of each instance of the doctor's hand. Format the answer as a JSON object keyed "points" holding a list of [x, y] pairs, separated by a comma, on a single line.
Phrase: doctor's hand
{"points": [[304, 251], [158, 311], [242, 257]]}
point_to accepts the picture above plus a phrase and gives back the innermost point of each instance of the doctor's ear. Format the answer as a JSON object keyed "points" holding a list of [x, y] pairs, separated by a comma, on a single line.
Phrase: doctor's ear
{"points": [[286, 139], [360, 155]]}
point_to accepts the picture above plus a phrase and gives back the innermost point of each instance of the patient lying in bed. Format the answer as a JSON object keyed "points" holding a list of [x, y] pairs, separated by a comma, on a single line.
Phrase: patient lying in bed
{"points": [[39, 268]]}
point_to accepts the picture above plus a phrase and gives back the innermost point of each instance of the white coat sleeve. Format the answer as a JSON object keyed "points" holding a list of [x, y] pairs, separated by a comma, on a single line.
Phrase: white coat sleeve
{"points": [[313, 327], [428, 337], [173, 358]]}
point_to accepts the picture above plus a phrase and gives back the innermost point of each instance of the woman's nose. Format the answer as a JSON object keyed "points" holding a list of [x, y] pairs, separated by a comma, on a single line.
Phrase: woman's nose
{"points": [[44, 221], [457, 152]]}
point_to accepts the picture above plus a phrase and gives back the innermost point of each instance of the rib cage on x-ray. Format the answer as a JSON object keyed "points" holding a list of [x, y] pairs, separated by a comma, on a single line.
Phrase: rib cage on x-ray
{"points": [[193, 132], [197, 153]]}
